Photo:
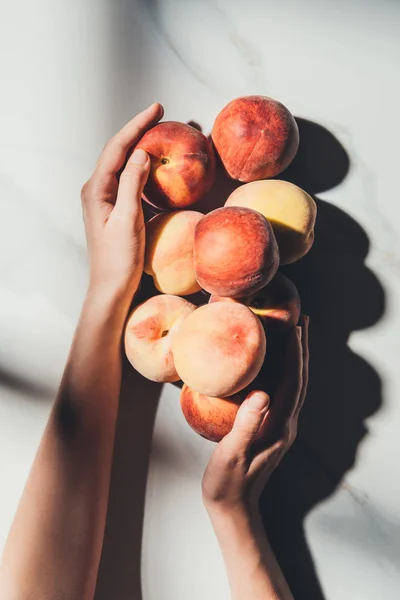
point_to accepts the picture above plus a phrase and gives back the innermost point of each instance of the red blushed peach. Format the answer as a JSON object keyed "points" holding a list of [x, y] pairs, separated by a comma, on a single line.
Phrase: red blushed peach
{"points": [[210, 417], [169, 252], [149, 334], [256, 138], [289, 209], [277, 304], [235, 252], [219, 349], [182, 165]]}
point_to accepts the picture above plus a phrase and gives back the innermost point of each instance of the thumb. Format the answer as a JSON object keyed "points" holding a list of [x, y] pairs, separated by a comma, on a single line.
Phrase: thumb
{"points": [[249, 419], [132, 181]]}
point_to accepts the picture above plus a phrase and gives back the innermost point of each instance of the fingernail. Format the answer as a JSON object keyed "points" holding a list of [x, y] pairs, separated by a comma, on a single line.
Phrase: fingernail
{"points": [[139, 157], [258, 401], [160, 108]]}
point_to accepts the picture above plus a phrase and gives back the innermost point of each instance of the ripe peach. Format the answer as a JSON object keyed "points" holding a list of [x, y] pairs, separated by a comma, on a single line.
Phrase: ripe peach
{"points": [[219, 349], [150, 331], [256, 138], [182, 165], [210, 417], [169, 252], [289, 209], [277, 304], [235, 251]]}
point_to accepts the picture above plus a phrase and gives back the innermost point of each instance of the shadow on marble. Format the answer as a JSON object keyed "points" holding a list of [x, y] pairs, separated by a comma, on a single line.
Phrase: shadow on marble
{"points": [[22, 385], [119, 572], [341, 295]]}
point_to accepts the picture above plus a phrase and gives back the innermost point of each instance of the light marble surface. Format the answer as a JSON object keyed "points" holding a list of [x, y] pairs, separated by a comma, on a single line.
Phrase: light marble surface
{"points": [[71, 74]]}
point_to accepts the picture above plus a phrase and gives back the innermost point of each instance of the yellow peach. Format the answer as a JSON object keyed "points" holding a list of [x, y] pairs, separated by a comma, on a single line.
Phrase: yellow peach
{"points": [[289, 209], [169, 252]]}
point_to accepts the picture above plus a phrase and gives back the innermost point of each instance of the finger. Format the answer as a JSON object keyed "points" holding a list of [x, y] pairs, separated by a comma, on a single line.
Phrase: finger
{"points": [[268, 458], [304, 322], [288, 393], [248, 421], [114, 154], [131, 184]]}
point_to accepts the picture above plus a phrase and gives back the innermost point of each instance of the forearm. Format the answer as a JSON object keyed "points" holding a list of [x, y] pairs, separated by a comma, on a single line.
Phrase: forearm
{"points": [[252, 569], [63, 509]]}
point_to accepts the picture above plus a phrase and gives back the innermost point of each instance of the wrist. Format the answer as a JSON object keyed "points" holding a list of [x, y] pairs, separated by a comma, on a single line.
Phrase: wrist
{"points": [[239, 516], [108, 303], [225, 509], [239, 531]]}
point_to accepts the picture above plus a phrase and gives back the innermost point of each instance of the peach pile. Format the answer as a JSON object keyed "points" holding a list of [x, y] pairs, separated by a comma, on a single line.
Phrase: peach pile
{"points": [[219, 300]]}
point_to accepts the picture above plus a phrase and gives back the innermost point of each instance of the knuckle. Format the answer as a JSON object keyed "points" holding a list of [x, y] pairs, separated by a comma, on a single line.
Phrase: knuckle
{"points": [[110, 143], [85, 192], [230, 459]]}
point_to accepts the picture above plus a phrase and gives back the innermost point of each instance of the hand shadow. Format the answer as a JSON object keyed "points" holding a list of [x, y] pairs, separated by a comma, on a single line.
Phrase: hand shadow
{"points": [[120, 566], [341, 295]]}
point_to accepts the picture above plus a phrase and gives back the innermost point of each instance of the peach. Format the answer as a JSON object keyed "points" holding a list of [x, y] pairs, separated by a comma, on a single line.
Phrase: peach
{"points": [[212, 418], [256, 138], [219, 349], [182, 165], [289, 209], [169, 252], [235, 251], [277, 304], [149, 334]]}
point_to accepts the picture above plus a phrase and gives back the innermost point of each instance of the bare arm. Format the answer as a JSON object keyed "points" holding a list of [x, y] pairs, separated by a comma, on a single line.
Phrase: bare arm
{"points": [[54, 545], [239, 470]]}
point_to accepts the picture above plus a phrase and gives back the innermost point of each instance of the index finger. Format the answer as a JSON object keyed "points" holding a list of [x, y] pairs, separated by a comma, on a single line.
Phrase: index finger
{"points": [[304, 341], [113, 157]]}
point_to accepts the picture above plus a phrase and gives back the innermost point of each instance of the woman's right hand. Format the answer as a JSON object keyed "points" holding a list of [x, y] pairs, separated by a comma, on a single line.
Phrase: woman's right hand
{"points": [[245, 459]]}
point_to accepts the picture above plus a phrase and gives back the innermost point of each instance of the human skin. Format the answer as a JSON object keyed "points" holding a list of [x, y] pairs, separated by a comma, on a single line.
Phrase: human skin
{"points": [[54, 546]]}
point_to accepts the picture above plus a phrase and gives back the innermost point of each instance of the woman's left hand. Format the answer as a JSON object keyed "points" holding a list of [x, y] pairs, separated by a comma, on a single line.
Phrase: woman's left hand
{"points": [[113, 212]]}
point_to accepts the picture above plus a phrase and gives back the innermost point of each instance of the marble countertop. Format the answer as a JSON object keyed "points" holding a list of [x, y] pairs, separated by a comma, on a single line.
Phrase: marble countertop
{"points": [[72, 74]]}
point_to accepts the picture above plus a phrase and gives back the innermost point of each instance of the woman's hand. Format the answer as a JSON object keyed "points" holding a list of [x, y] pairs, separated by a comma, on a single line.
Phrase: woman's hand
{"points": [[113, 212], [241, 466], [245, 459]]}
